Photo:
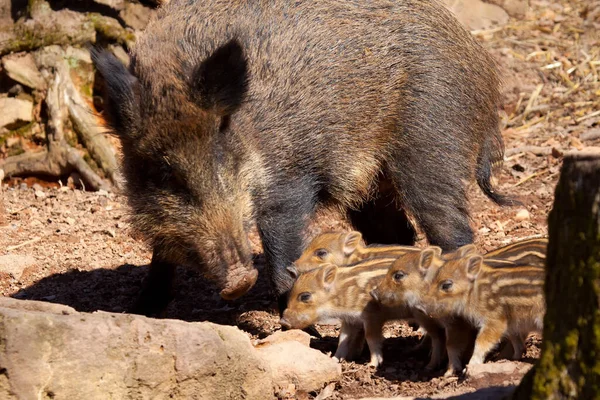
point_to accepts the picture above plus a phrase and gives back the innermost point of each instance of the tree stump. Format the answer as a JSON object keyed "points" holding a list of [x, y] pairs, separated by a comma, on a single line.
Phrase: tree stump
{"points": [[569, 366]]}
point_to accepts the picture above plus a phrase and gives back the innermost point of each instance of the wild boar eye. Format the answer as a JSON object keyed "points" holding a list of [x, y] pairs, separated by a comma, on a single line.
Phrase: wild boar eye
{"points": [[304, 297], [446, 286], [321, 253], [399, 275]]}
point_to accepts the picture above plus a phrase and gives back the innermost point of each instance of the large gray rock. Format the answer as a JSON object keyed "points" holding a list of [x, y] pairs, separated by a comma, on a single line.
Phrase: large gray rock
{"points": [[14, 112], [52, 351], [21, 68]]}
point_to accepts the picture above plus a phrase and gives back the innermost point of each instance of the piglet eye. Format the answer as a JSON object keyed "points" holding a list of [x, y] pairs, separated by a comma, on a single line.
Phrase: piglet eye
{"points": [[399, 275], [321, 253], [304, 297], [446, 285]]}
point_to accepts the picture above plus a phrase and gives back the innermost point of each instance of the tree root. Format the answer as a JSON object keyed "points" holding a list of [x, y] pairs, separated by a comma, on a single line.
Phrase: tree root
{"points": [[60, 158]]}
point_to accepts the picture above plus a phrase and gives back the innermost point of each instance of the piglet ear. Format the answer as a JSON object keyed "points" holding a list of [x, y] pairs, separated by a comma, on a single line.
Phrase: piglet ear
{"points": [[466, 250], [474, 267], [352, 241], [427, 257], [122, 99], [328, 275], [220, 82]]}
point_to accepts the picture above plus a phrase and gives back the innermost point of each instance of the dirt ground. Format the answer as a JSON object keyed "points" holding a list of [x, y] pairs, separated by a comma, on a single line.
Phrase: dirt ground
{"points": [[86, 255]]}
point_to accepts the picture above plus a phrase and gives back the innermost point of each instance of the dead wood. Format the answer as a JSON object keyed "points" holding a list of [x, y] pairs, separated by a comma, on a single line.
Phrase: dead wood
{"points": [[60, 158], [537, 150]]}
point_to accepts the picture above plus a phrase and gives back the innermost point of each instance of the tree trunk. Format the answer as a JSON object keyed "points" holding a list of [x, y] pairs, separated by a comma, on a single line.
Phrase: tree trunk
{"points": [[569, 366], [2, 209]]}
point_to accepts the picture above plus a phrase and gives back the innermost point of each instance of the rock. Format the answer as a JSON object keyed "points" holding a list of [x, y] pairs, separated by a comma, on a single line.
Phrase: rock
{"points": [[285, 336], [104, 355], [50, 350], [15, 112], [475, 14], [514, 8], [136, 16], [40, 195], [14, 264], [293, 363], [522, 215], [21, 68], [497, 368], [114, 4], [121, 54]]}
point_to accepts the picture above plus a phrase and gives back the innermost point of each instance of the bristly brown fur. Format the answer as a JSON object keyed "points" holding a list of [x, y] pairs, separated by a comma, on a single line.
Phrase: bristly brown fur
{"points": [[241, 111]]}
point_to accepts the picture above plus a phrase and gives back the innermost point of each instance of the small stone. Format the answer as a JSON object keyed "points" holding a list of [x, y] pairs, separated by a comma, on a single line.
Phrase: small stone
{"points": [[121, 54], [70, 221], [37, 186], [114, 4], [21, 68], [14, 264], [522, 215], [136, 15], [285, 336], [40, 195], [14, 113], [476, 14], [102, 192]]}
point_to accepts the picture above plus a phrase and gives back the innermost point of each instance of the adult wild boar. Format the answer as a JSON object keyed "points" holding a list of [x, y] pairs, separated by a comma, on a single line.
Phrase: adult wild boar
{"points": [[242, 111]]}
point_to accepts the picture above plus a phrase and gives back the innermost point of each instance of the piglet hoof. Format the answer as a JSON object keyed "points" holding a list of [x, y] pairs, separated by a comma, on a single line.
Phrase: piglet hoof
{"points": [[238, 285], [376, 361], [451, 373]]}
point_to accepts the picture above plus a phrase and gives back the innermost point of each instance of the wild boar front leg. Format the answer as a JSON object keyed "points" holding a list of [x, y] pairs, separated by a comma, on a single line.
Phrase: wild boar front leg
{"points": [[157, 290], [281, 222]]}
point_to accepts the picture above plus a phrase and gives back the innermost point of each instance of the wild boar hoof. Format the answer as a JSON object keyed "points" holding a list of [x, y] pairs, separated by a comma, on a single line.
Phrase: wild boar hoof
{"points": [[236, 288]]}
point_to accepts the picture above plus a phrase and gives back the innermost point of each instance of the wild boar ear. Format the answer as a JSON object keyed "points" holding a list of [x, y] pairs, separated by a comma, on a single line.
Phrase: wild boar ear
{"points": [[220, 82], [121, 95], [352, 241], [474, 267], [329, 273], [465, 250], [293, 271]]}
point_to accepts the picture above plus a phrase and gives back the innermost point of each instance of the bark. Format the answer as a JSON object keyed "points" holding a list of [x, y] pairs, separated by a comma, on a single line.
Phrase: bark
{"points": [[569, 366]]}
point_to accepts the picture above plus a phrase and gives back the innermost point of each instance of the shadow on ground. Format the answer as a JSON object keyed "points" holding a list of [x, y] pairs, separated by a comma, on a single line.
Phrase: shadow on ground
{"points": [[115, 290]]}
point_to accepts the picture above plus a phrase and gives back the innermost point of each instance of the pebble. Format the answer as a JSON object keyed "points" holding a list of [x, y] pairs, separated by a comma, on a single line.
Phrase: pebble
{"points": [[522, 215], [40, 195]]}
